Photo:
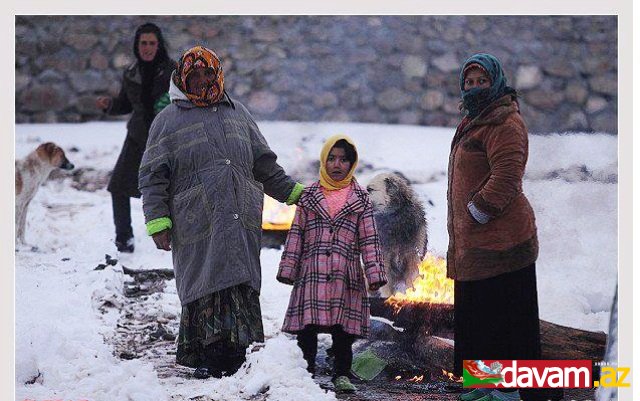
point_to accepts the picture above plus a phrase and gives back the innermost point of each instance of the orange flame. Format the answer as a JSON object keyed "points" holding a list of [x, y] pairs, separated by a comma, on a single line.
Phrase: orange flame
{"points": [[276, 215], [417, 379], [451, 376], [432, 285], [398, 377]]}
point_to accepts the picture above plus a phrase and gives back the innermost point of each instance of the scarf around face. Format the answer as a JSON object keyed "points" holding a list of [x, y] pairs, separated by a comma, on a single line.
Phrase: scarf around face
{"points": [[325, 179], [475, 100], [200, 57]]}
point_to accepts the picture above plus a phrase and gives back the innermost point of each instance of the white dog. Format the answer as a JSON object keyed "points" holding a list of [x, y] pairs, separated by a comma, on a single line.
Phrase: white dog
{"points": [[31, 172]]}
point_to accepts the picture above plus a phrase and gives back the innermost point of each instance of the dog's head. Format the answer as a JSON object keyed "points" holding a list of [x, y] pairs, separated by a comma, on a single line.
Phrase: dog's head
{"points": [[388, 190], [378, 193], [54, 155]]}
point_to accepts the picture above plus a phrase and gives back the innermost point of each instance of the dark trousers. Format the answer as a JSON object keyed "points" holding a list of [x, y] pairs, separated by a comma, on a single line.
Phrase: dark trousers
{"points": [[122, 216], [342, 342]]}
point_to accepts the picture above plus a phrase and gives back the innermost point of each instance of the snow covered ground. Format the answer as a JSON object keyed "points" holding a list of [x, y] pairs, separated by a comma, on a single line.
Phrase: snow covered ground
{"points": [[571, 181]]}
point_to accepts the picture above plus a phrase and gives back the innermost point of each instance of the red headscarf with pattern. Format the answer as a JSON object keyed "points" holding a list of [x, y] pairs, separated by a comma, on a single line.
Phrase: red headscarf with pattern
{"points": [[200, 57]]}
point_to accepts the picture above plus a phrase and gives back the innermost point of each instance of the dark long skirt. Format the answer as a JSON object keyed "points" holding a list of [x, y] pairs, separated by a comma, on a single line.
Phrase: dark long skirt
{"points": [[497, 318], [216, 329]]}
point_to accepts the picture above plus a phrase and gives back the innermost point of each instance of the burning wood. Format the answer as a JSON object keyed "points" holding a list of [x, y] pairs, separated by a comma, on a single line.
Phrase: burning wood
{"points": [[432, 285], [429, 333], [426, 313]]}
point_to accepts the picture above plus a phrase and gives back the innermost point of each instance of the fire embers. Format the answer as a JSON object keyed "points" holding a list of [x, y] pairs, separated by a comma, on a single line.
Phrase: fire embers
{"points": [[410, 378], [451, 377], [417, 379], [432, 285], [426, 378]]}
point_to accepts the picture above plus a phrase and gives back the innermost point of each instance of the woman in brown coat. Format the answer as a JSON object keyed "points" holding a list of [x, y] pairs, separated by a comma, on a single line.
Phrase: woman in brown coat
{"points": [[493, 244]]}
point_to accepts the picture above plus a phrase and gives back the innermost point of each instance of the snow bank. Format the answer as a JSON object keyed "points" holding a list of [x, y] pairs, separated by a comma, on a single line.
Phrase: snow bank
{"points": [[61, 317]]}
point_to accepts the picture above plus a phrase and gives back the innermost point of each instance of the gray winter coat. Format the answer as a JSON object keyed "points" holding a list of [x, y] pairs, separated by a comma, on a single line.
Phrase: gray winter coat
{"points": [[206, 168]]}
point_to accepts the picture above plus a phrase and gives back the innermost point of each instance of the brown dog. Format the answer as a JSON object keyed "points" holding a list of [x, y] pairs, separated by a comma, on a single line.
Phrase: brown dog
{"points": [[31, 172]]}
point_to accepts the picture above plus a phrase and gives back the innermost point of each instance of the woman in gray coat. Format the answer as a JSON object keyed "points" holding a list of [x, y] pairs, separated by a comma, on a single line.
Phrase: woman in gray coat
{"points": [[202, 179]]}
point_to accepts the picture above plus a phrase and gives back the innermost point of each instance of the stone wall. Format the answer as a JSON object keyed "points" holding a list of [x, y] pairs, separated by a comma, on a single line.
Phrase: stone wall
{"points": [[379, 69]]}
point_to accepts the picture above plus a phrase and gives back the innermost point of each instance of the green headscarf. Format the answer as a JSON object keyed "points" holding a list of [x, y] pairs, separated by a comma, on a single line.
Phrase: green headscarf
{"points": [[477, 99]]}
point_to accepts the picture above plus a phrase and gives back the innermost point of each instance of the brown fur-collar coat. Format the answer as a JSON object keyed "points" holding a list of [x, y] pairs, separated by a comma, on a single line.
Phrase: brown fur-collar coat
{"points": [[486, 165]]}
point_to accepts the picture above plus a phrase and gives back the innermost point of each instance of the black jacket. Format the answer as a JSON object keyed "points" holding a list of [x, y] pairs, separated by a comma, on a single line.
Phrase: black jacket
{"points": [[125, 173]]}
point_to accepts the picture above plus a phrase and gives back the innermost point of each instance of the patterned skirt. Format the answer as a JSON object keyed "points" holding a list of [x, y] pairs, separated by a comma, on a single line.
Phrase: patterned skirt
{"points": [[216, 330]]}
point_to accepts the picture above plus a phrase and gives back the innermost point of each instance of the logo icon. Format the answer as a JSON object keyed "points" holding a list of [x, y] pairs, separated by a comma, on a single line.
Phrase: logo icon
{"points": [[478, 374]]}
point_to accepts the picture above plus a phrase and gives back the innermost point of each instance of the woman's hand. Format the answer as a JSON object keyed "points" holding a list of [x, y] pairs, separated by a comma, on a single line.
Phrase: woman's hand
{"points": [[103, 102], [162, 240], [376, 286]]}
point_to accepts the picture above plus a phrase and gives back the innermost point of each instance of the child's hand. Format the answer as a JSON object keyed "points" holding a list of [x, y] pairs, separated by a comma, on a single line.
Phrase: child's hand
{"points": [[376, 286], [284, 280]]}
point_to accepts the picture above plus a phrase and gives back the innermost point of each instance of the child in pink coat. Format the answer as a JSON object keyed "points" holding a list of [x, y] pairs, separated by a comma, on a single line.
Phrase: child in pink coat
{"points": [[332, 230]]}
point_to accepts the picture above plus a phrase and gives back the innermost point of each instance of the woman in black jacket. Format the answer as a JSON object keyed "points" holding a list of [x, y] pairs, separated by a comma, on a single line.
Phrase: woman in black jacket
{"points": [[144, 93]]}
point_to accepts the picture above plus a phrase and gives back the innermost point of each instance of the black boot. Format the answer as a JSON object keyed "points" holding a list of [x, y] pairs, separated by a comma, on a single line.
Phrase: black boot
{"points": [[122, 220], [233, 364], [126, 245], [205, 372]]}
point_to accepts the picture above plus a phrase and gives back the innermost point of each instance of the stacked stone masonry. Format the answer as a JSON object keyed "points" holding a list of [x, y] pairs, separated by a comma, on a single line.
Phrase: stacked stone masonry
{"points": [[376, 69]]}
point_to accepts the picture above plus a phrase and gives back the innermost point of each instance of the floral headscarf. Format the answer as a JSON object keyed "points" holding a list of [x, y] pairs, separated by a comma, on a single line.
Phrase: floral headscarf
{"points": [[200, 56]]}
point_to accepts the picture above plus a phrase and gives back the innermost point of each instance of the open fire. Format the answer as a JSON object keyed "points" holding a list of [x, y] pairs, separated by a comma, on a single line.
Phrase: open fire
{"points": [[276, 216], [432, 285]]}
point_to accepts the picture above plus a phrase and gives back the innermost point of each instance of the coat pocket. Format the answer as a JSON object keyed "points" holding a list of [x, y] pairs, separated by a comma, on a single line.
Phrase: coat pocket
{"points": [[253, 204], [191, 215], [355, 276]]}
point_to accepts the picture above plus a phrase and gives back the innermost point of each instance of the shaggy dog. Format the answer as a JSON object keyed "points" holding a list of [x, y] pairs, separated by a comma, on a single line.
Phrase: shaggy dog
{"points": [[31, 172], [401, 223]]}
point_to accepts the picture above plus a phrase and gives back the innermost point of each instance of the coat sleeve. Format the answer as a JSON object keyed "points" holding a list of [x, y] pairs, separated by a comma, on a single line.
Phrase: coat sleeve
{"points": [[292, 254], [120, 104], [155, 176], [277, 184], [507, 148], [370, 249]]}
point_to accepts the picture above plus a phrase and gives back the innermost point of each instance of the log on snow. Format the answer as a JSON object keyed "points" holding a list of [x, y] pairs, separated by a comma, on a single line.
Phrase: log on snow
{"points": [[422, 320]]}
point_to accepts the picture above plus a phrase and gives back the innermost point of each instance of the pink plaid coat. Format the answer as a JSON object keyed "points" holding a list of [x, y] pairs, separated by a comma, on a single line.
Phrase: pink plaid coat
{"points": [[322, 259]]}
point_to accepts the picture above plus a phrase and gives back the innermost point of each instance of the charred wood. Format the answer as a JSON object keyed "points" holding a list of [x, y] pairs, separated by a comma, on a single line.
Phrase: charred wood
{"points": [[424, 320]]}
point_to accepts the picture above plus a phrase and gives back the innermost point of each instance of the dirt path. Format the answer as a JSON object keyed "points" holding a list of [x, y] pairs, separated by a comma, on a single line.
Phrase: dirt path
{"points": [[142, 334]]}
